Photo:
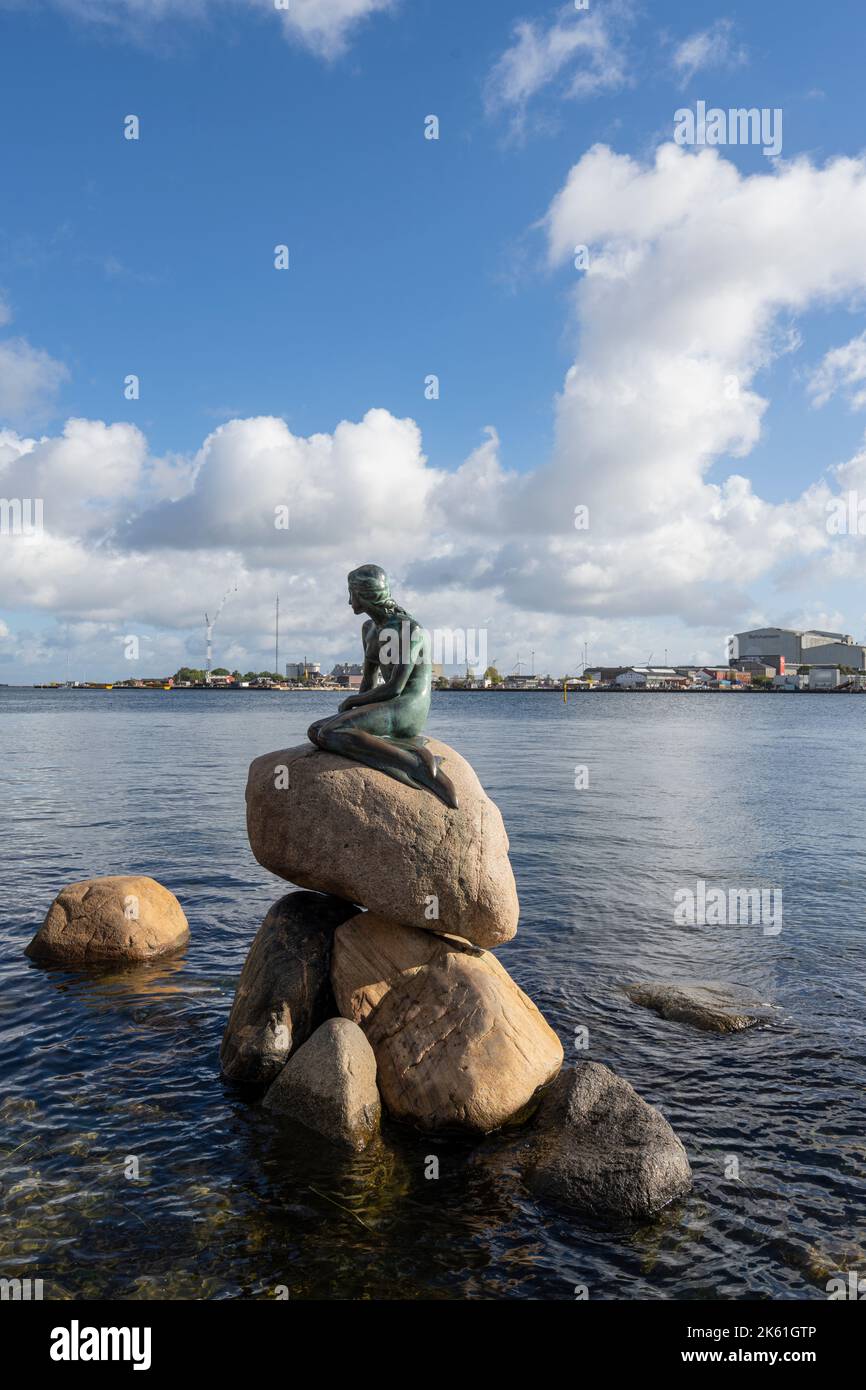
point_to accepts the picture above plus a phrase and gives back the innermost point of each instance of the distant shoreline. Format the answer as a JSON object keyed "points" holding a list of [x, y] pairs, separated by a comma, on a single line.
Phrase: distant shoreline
{"points": [[107, 688]]}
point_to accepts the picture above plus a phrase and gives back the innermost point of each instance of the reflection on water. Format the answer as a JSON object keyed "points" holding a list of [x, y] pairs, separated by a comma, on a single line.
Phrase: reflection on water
{"points": [[130, 1170]]}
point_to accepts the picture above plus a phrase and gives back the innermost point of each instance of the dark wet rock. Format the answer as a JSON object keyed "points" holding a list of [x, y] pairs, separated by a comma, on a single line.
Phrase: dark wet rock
{"points": [[284, 991], [329, 1085], [710, 1005], [597, 1147]]}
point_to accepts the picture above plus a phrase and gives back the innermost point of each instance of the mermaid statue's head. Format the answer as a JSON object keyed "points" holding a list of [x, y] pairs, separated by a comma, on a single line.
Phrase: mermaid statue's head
{"points": [[369, 586]]}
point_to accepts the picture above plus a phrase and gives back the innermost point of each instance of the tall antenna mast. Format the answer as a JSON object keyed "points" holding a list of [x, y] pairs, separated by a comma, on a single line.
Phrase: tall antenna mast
{"points": [[277, 638], [208, 627]]}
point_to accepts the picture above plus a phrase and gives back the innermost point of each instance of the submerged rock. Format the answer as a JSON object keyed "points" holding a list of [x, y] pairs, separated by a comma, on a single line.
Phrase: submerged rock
{"points": [[601, 1149], [284, 991], [334, 825], [329, 1085], [710, 1005], [458, 1044], [123, 917]]}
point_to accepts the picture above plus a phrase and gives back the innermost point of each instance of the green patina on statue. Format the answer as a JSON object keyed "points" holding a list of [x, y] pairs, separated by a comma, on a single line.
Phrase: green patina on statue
{"points": [[380, 724]]}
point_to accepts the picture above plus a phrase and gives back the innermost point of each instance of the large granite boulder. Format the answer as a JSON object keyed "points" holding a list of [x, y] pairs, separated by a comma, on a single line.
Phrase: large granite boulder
{"points": [[709, 1005], [123, 917], [458, 1045], [328, 823], [601, 1149], [284, 991], [329, 1085]]}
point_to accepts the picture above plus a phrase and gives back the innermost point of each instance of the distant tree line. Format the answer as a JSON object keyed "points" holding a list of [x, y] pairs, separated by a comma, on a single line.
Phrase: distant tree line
{"points": [[197, 677]]}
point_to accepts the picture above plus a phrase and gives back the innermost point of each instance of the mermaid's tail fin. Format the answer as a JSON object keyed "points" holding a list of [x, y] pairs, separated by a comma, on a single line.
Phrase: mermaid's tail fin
{"points": [[428, 776], [424, 770], [445, 788]]}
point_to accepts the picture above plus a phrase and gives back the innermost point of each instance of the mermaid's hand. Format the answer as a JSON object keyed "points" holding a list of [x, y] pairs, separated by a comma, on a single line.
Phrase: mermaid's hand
{"points": [[347, 705]]}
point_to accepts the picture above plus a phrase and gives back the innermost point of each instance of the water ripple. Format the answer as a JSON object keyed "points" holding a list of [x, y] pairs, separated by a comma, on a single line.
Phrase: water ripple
{"points": [[105, 1072]]}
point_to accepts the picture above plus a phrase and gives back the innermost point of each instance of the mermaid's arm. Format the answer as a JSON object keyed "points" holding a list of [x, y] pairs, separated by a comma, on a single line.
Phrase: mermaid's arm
{"points": [[386, 690], [398, 677], [371, 667], [369, 676], [368, 680]]}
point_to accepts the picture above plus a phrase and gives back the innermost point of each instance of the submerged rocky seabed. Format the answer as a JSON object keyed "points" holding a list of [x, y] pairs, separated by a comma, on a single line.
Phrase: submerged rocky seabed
{"points": [[111, 1074]]}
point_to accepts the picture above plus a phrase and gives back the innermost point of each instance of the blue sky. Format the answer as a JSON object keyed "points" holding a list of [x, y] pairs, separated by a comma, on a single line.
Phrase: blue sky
{"points": [[408, 257]]}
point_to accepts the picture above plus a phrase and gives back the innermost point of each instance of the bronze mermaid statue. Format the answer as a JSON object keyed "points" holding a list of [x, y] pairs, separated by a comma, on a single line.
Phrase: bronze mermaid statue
{"points": [[380, 724]]}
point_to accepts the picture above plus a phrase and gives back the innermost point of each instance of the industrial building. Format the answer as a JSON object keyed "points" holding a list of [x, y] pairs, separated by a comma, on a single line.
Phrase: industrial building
{"points": [[650, 678], [824, 678], [603, 675], [348, 675], [801, 648], [309, 671], [754, 667]]}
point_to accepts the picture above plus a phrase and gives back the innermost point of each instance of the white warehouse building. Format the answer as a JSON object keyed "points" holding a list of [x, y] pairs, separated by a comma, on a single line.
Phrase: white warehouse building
{"points": [[802, 648]]}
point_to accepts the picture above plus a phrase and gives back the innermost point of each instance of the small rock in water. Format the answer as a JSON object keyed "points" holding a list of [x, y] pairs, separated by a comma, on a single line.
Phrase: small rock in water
{"points": [[328, 823], [601, 1149], [458, 1044], [329, 1085], [284, 991], [124, 917], [710, 1005]]}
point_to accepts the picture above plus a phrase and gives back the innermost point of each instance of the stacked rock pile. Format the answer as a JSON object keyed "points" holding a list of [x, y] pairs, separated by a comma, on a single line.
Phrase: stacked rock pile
{"points": [[378, 989], [457, 1045]]}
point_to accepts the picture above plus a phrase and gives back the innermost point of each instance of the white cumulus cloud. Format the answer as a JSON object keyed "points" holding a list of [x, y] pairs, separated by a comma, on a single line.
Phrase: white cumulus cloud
{"points": [[699, 279], [579, 53], [842, 368], [29, 381], [713, 47], [324, 26]]}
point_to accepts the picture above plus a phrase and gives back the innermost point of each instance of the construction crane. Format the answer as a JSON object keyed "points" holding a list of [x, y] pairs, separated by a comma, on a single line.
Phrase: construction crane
{"points": [[209, 624]]}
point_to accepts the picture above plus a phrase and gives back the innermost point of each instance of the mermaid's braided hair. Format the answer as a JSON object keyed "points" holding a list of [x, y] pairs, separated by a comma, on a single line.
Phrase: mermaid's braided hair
{"points": [[371, 582]]}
